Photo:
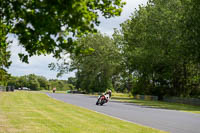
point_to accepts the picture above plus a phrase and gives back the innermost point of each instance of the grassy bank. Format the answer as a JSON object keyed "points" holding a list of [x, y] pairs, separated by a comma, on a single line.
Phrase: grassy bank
{"points": [[160, 104], [30, 112]]}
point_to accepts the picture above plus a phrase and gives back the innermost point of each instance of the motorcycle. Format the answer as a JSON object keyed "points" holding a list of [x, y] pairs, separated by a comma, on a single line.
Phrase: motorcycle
{"points": [[102, 99]]}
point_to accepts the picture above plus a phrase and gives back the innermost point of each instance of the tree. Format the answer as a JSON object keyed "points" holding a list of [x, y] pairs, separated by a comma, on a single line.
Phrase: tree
{"points": [[34, 84], [44, 27], [22, 81], [95, 68], [191, 29], [72, 81], [4, 54], [43, 82], [155, 52], [4, 76], [60, 85]]}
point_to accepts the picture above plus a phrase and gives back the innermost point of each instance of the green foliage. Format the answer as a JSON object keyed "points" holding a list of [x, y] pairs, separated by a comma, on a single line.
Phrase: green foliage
{"points": [[4, 54], [34, 85], [60, 85], [191, 29], [72, 81], [35, 82], [95, 68], [44, 27], [4, 76], [157, 53], [43, 82]]}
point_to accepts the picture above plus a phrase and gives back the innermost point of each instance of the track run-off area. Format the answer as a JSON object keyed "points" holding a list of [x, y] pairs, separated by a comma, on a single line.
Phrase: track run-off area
{"points": [[163, 119]]}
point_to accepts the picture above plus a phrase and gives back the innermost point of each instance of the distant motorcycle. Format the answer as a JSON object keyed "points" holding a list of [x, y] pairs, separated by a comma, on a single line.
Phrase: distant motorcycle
{"points": [[102, 99], [54, 90]]}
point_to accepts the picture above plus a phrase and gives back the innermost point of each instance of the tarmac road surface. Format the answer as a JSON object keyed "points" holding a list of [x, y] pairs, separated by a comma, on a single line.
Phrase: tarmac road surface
{"points": [[163, 119]]}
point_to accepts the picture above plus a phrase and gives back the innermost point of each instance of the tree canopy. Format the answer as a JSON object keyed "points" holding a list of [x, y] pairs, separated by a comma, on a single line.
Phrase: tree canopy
{"points": [[4, 54], [155, 52], [161, 48], [95, 69], [44, 27]]}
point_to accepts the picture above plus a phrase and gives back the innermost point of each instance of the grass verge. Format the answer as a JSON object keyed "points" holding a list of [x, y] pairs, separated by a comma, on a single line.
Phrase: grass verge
{"points": [[30, 112], [50, 91], [160, 104]]}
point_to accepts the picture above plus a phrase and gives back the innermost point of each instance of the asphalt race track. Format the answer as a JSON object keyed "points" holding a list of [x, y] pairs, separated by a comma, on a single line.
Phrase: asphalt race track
{"points": [[167, 120]]}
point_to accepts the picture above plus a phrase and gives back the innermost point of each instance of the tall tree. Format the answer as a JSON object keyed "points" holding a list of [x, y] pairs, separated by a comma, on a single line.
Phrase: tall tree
{"points": [[155, 50], [95, 68]]}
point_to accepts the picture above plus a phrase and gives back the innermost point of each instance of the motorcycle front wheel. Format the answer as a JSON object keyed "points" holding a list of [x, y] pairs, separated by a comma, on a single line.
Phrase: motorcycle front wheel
{"points": [[97, 103]]}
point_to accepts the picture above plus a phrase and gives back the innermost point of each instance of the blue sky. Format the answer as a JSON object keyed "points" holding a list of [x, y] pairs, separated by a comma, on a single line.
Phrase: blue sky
{"points": [[39, 64]]}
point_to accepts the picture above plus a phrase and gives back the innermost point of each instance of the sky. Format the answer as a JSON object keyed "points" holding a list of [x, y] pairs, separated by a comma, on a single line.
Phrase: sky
{"points": [[39, 64]]}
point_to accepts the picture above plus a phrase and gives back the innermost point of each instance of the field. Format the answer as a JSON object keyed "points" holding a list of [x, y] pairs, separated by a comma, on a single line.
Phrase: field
{"points": [[31, 112]]}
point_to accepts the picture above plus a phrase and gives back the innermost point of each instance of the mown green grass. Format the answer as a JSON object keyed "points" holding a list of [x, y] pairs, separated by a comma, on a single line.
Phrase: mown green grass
{"points": [[114, 94], [33, 112], [160, 104], [121, 95]]}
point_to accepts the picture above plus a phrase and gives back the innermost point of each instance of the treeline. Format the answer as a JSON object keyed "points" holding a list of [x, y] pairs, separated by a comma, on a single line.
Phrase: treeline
{"points": [[161, 48], [35, 82], [155, 52]]}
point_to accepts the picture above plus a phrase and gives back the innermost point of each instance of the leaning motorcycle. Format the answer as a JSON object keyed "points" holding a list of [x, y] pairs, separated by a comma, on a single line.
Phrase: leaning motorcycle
{"points": [[102, 99]]}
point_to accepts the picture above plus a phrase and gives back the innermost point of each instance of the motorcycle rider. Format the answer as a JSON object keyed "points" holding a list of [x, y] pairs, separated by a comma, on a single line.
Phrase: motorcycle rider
{"points": [[104, 98], [109, 92], [54, 89]]}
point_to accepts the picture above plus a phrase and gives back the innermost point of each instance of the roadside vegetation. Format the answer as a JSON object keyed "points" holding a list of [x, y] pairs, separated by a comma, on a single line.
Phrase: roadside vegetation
{"points": [[160, 104], [30, 112], [154, 52], [35, 83]]}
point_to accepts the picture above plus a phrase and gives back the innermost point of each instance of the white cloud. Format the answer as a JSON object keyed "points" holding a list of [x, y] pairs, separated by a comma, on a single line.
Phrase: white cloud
{"points": [[39, 64]]}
